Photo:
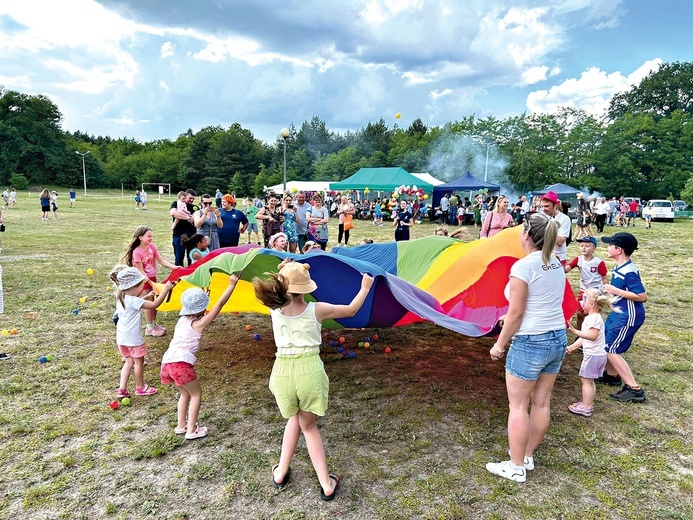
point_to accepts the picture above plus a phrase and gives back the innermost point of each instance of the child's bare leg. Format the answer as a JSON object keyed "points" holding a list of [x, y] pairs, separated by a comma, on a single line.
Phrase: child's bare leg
{"points": [[150, 315], [195, 392], [620, 366], [139, 371], [292, 431], [588, 391], [316, 449], [183, 401], [125, 372]]}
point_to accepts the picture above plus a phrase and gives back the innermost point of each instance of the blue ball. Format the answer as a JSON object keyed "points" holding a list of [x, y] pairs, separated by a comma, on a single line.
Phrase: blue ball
{"points": [[333, 344], [75, 311], [367, 340], [340, 349], [352, 354], [256, 337], [43, 359]]}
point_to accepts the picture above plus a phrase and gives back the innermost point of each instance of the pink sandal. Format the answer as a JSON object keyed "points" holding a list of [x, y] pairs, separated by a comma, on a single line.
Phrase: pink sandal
{"points": [[147, 390]]}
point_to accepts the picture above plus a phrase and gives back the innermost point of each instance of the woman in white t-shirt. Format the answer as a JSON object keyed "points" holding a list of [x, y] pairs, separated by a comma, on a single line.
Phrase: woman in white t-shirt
{"points": [[537, 328]]}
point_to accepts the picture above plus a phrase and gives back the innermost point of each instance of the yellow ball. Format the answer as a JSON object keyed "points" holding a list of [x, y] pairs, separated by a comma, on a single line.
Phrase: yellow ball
{"points": [[5, 332], [108, 288], [398, 115], [82, 300], [90, 271]]}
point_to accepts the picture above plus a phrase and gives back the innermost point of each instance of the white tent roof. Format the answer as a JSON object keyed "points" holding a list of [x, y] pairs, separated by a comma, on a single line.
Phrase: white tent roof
{"points": [[300, 186], [427, 177]]}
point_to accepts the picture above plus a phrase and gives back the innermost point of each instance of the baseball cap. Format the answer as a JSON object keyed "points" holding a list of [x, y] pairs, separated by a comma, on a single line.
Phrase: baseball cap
{"points": [[625, 241], [593, 240], [551, 196]]}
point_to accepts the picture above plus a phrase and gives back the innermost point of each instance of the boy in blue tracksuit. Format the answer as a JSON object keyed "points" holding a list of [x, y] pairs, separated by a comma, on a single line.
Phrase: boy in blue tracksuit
{"points": [[628, 316]]}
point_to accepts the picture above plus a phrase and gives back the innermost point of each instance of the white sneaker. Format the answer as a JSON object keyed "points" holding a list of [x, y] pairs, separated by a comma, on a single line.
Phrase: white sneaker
{"points": [[507, 469], [529, 462]]}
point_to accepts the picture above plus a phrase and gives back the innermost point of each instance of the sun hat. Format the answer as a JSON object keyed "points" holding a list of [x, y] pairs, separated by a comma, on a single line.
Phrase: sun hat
{"points": [[298, 277], [625, 241], [194, 301], [591, 240], [228, 199], [129, 278], [550, 196], [274, 237]]}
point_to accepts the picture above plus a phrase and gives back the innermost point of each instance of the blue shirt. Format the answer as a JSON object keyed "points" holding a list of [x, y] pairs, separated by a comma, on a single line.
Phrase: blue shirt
{"points": [[233, 220], [627, 278]]}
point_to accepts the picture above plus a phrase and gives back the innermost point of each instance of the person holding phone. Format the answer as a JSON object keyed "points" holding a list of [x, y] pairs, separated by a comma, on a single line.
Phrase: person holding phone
{"points": [[207, 220]]}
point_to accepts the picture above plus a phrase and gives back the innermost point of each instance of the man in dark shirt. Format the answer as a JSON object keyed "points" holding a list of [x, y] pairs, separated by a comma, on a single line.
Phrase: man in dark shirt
{"points": [[185, 226]]}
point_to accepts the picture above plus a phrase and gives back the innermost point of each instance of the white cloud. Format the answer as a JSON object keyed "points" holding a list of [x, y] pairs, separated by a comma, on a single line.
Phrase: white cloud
{"points": [[436, 94], [592, 91], [166, 50]]}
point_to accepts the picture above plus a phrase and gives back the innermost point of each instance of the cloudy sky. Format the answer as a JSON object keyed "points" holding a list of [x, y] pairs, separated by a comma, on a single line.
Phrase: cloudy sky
{"points": [[151, 69]]}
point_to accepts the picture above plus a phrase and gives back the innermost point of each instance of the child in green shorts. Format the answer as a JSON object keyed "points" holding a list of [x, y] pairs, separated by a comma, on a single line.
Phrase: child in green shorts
{"points": [[298, 381]]}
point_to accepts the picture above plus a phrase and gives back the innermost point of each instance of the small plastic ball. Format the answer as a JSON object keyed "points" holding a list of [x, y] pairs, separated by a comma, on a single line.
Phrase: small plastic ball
{"points": [[361, 344], [256, 337], [75, 311], [5, 332], [14, 331], [375, 338], [82, 300], [125, 401], [342, 339], [108, 288], [49, 357], [366, 340], [340, 349], [388, 350], [43, 359], [114, 405], [333, 343], [366, 345], [352, 355], [248, 327], [90, 271]]}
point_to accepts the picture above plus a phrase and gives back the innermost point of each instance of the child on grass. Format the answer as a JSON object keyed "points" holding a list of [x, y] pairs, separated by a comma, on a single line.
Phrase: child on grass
{"points": [[592, 272], [144, 255], [298, 381], [178, 363], [629, 315], [129, 305], [591, 338]]}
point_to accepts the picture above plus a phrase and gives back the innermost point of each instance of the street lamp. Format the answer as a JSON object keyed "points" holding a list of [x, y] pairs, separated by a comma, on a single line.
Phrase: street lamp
{"points": [[284, 132], [84, 170]]}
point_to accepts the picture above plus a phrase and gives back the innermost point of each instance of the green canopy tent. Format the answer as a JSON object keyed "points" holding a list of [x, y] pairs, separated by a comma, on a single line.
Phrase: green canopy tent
{"points": [[380, 179]]}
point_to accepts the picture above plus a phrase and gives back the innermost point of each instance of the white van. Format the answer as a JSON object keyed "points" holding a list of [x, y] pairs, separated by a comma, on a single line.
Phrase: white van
{"points": [[659, 209]]}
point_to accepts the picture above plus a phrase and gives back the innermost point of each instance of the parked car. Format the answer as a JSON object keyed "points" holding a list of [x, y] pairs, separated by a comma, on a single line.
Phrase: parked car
{"points": [[680, 205], [659, 209]]}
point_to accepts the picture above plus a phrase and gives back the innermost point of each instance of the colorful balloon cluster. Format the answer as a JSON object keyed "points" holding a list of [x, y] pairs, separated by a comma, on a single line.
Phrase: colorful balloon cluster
{"points": [[410, 191]]}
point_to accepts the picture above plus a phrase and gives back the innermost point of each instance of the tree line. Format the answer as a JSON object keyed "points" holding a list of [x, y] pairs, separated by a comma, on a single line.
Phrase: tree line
{"points": [[643, 146]]}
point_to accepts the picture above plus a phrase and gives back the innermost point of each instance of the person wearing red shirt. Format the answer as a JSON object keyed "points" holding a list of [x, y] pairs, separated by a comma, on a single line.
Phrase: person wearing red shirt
{"points": [[632, 211]]}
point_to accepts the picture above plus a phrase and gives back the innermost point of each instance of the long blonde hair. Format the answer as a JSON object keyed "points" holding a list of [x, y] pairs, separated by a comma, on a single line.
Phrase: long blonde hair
{"points": [[272, 291], [498, 201], [542, 231], [603, 299]]}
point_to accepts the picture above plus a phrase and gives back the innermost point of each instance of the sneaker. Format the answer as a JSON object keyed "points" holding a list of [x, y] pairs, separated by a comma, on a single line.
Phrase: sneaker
{"points": [[153, 331], [507, 469], [627, 394], [200, 431], [580, 409], [528, 461], [159, 327], [608, 379]]}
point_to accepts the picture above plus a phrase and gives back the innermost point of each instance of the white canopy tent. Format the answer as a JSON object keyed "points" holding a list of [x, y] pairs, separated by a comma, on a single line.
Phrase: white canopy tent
{"points": [[311, 186], [427, 177]]}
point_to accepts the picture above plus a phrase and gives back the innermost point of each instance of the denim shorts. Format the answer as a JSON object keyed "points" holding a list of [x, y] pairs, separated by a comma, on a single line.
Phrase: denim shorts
{"points": [[534, 354]]}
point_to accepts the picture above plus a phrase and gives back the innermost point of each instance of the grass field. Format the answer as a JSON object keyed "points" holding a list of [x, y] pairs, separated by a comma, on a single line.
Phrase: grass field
{"points": [[408, 433]]}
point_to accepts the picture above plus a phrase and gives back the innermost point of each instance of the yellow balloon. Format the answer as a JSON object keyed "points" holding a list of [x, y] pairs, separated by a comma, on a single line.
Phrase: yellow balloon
{"points": [[398, 115], [425, 196]]}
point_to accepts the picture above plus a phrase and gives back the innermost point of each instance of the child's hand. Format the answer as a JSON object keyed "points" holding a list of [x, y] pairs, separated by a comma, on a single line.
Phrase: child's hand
{"points": [[170, 285], [366, 281], [570, 349], [148, 296], [284, 262], [233, 279], [571, 328]]}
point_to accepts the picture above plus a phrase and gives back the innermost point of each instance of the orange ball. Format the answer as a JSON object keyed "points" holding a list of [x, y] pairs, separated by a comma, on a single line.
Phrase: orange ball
{"points": [[366, 344], [388, 350], [14, 331], [342, 339], [248, 327]]}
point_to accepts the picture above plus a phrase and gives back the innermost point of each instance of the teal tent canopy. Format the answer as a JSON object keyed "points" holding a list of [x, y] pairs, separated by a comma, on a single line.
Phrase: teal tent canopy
{"points": [[380, 179]]}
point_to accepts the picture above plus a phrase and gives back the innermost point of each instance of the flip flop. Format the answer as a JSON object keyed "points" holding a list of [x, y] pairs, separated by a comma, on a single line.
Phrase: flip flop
{"points": [[325, 497], [285, 480], [4, 357], [147, 390]]}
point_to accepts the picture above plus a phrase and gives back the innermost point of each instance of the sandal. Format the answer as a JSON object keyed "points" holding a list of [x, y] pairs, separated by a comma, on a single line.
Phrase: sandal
{"points": [[331, 496], [285, 480], [122, 393], [200, 431], [147, 390], [4, 357]]}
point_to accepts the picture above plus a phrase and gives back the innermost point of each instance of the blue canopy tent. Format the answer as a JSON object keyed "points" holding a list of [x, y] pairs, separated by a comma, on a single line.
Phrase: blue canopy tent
{"points": [[559, 189], [466, 183]]}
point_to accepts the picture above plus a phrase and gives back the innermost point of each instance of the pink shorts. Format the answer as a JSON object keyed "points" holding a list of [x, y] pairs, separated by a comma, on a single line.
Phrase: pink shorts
{"points": [[179, 373], [135, 352]]}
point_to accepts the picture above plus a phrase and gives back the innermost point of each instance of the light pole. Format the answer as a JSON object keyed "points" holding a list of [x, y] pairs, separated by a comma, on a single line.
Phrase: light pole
{"points": [[284, 132], [84, 170]]}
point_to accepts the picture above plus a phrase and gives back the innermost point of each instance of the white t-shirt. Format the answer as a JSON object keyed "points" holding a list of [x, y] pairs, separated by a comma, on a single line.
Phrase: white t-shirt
{"points": [[598, 346], [545, 288], [129, 328], [444, 204], [563, 231]]}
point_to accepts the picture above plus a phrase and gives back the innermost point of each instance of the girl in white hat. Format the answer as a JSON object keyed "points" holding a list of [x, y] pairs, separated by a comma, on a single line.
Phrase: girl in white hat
{"points": [[129, 305], [298, 381], [178, 363]]}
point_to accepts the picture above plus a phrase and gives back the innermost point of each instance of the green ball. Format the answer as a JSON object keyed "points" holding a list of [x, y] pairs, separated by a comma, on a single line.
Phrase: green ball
{"points": [[49, 357], [126, 401]]}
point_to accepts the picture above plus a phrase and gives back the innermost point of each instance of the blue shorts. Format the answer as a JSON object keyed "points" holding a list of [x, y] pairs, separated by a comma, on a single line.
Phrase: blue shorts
{"points": [[534, 354], [252, 227], [620, 337]]}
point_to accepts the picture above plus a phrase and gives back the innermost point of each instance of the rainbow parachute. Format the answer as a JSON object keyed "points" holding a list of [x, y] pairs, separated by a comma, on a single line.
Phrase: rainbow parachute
{"points": [[456, 285]]}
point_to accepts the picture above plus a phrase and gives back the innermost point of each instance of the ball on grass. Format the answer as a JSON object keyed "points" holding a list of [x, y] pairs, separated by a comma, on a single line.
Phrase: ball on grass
{"points": [[82, 300], [366, 344], [49, 357], [125, 401], [14, 331], [75, 311], [340, 349], [375, 338], [43, 359], [114, 405], [352, 355], [5, 332], [248, 327], [387, 350], [256, 337], [361, 344], [342, 339], [90, 271]]}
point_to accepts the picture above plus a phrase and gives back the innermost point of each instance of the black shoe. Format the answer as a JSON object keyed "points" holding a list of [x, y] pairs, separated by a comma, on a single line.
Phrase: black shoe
{"points": [[627, 394], [608, 379]]}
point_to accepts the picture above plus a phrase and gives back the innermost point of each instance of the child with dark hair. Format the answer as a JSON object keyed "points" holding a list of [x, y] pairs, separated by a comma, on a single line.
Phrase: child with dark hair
{"points": [[197, 246]]}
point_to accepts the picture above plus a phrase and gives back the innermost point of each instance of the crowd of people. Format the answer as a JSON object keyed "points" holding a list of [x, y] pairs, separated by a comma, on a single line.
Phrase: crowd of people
{"points": [[533, 332]]}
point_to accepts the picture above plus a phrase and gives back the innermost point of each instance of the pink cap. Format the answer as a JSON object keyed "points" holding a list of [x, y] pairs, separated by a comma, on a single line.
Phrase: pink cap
{"points": [[551, 195]]}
